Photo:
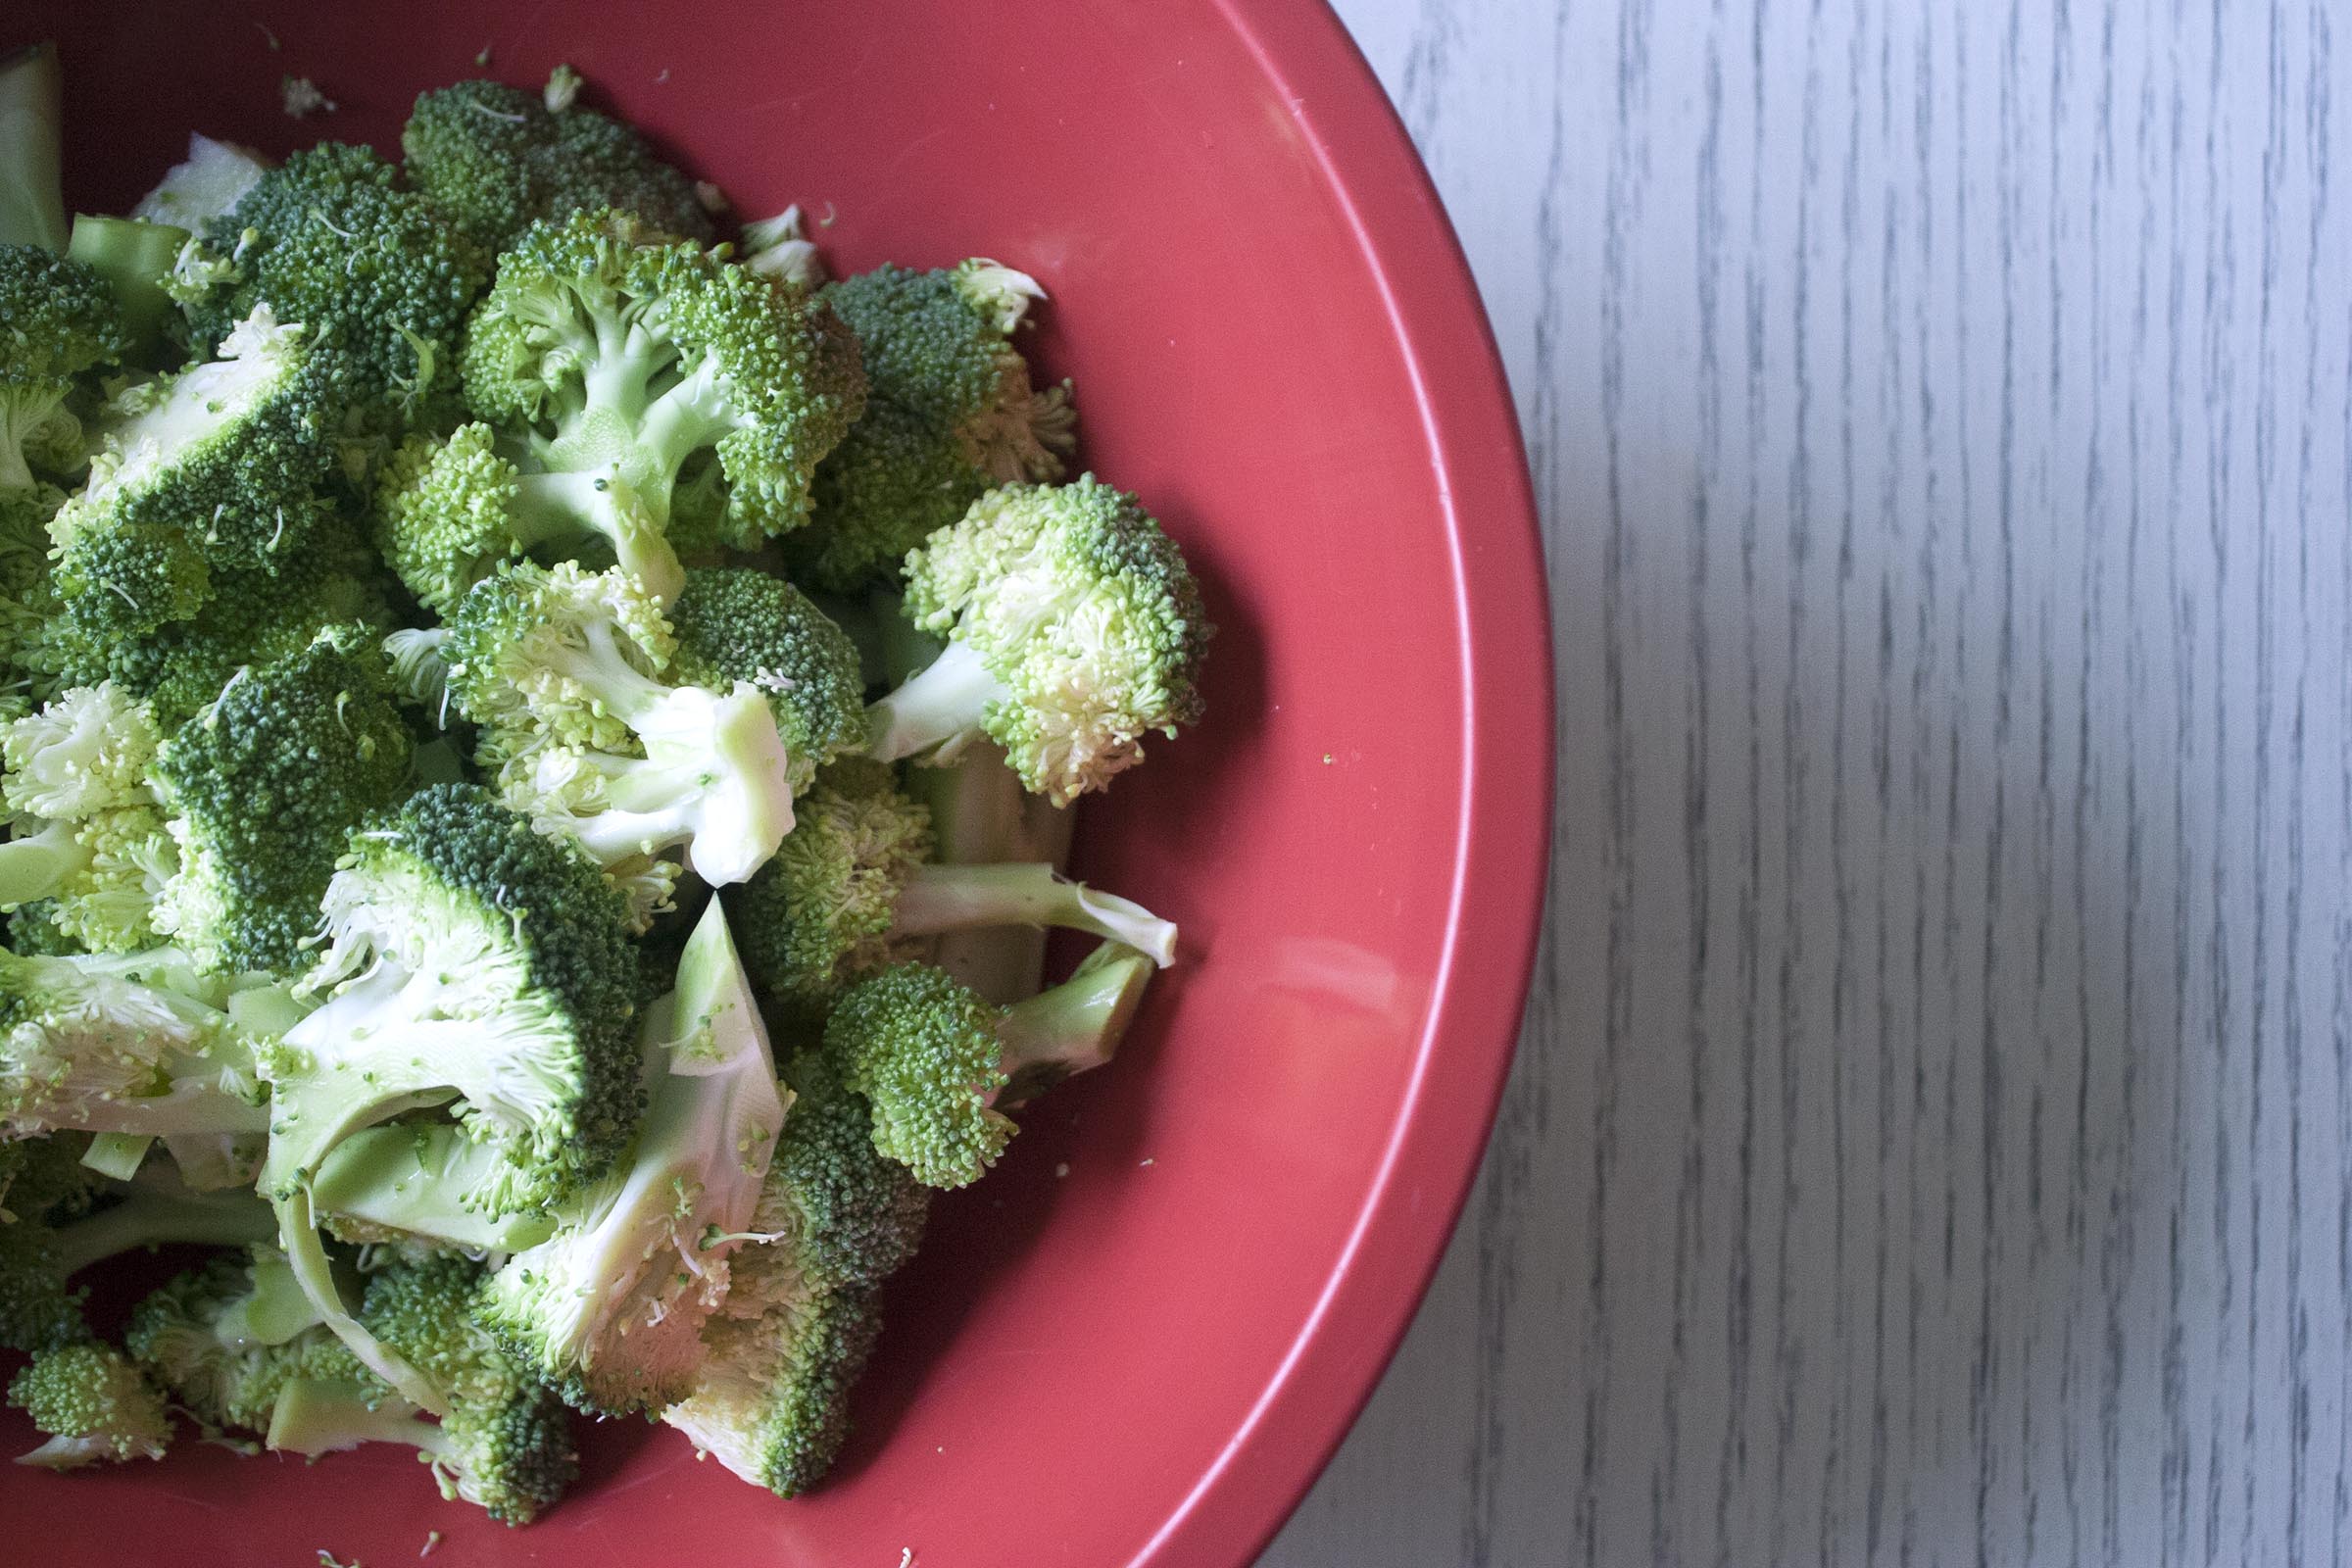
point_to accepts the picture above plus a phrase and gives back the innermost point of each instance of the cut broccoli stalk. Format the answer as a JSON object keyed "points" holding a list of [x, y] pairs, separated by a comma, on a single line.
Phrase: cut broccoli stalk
{"points": [[413, 1180], [939, 712], [956, 897], [32, 203], [318, 1415], [118, 1154], [297, 1236], [135, 258], [209, 182], [153, 1214], [34, 867], [1072, 1028]]}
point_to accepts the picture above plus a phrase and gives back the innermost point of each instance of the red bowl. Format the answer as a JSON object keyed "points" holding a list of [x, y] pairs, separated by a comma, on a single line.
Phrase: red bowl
{"points": [[1275, 340]]}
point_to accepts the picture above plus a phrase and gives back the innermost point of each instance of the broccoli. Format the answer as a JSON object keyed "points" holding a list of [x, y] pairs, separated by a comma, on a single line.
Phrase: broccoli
{"points": [[737, 624], [773, 1401], [328, 238], [834, 1213], [408, 1183], [780, 247], [227, 1337], [210, 181], [444, 514], [136, 259], [264, 786], [136, 1044], [1074, 627], [89, 837], [950, 410], [561, 668], [32, 203], [221, 465], [935, 1062], [55, 1234], [57, 320], [630, 363], [610, 1308], [504, 1442], [850, 890], [93, 1403], [495, 160]]}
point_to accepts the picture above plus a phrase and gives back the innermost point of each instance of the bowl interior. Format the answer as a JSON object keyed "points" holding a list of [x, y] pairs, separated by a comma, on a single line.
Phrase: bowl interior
{"points": [[1089, 1331]]}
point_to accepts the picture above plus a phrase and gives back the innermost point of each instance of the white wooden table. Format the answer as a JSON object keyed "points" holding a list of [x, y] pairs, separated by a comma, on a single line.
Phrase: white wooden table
{"points": [[1928, 1142]]}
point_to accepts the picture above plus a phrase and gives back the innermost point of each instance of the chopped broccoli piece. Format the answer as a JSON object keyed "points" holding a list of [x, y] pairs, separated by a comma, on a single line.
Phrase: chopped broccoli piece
{"points": [[610, 1308], [94, 1404], [950, 410], [328, 238], [780, 247], [88, 834], [934, 1060], [32, 203], [227, 1337], [57, 320], [561, 668], [135, 259], [209, 182], [1074, 628], [444, 514], [264, 786], [497, 159], [773, 1401], [850, 890], [626, 359], [737, 624], [409, 1182]]}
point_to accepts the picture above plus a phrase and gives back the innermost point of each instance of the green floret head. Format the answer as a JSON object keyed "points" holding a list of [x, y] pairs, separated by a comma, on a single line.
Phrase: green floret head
{"points": [[496, 159], [445, 513], [474, 960], [263, 788], [330, 238], [227, 1337], [843, 1216], [632, 362], [254, 617], [923, 1051], [87, 836], [950, 412], [737, 624], [564, 669], [1079, 609], [28, 592], [95, 1406], [773, 1404], [57, 320], [819, 913], [223, 465]]}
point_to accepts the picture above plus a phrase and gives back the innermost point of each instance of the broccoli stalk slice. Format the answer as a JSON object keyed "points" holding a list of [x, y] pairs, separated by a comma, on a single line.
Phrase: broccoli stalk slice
{"points": [[937, 714], [935, 899], [36, 866], [1072, 1028], [298, 1237], [410, 1179], [118, 1154], [154, 1216], [134, 258], [321, 1416], [32, 201]]}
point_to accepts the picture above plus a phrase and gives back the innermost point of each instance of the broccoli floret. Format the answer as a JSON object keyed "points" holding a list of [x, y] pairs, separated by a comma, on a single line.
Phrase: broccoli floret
{"points": [[328, 238], [773, 1401], [504, 1444], [253, 617], [134, 1043], [408, 1183], [934, 1060], [496, 159], [628, 359], [88, 836], [227, 1337], [263, 788], [219, 467], [137, 260], [780, 247], [94, 1404], [32, 203], [737, 624], [851, 889], [57, 320], [609, 1309], [950, 410], [444, 514], [1074, 628], [467, 958], [834, 1213], [563, 668], [51, 1237]]}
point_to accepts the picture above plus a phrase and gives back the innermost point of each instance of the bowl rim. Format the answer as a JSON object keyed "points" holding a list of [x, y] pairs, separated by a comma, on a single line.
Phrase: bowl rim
{"points": [[1502, 838]]}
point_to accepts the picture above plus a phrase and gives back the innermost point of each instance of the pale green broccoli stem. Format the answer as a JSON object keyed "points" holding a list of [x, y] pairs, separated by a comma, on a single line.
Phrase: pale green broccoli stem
{"points": [[937, 713], [312, 1416], [118, 1154], [34, 867], [147, 1217], [135, 258], [32, 202], [935, 899], [1074, 1027], [298, 1237], [413, 1179], [981, 816], [554, 506]]}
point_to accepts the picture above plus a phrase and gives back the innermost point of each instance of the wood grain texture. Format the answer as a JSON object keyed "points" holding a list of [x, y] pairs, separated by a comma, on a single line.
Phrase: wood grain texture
{"points": [[1929, 1144]]}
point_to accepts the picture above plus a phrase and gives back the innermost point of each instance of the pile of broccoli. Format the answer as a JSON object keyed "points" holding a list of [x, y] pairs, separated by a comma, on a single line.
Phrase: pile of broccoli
{"points": [[513, 708]]}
